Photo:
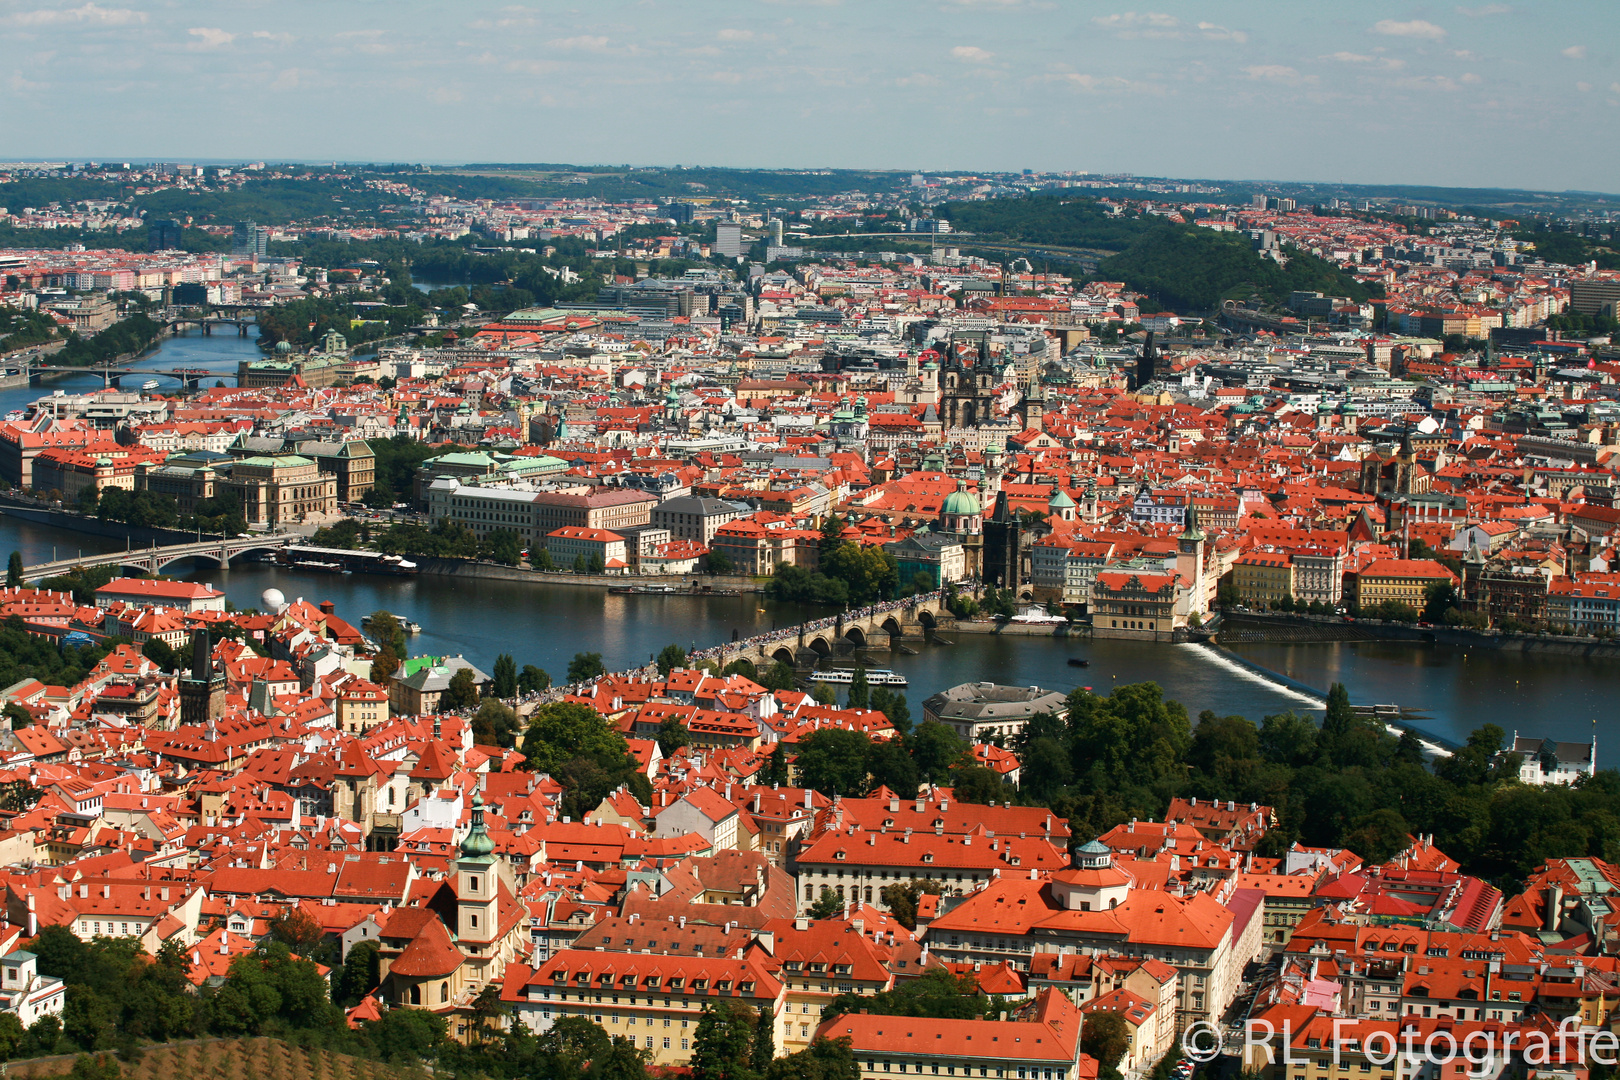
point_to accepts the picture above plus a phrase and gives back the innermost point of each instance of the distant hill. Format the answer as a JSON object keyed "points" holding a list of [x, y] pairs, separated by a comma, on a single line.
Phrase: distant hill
{"points": [[1179, 266]]}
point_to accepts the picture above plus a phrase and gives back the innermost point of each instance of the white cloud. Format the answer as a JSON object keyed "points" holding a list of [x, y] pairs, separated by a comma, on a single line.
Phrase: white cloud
{"points": [[1417, 28], [1126, 20], [735, 35], [1277, 73], [1470, 78], [1482, 12], [1388, 62], [1215, 32], [972, 54], [917, 78], [210, 37], [586, 42], [91, 13], [1576, 52], [1614, 88], [279, 39]]}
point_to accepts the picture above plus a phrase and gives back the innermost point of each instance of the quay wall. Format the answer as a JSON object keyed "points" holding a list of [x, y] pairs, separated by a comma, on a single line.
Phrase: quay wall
{"points": [[1241, 627]]}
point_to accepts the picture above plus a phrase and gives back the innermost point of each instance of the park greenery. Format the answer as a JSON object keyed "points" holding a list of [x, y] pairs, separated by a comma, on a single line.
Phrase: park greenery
{"points": [[1180, 266]]}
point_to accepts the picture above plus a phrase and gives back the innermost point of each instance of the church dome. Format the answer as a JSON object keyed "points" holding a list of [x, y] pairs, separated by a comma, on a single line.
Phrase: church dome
{"points": [[1060, 500], [961, 502], [477, 845]]}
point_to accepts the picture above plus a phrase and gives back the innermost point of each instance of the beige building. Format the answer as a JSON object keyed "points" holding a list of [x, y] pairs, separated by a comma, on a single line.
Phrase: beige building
{"points": [[280, 490]]}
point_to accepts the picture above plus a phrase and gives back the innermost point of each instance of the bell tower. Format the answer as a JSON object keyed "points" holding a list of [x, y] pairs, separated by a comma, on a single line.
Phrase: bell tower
{"points": [[477, 884], [1190, 560]]}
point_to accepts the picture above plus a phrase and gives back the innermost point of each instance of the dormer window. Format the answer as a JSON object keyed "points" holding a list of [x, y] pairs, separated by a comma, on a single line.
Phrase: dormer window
{"points": [[700, 984]]}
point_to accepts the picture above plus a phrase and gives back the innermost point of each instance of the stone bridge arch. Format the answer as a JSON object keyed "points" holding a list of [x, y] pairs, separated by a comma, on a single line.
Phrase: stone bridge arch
{"points": [[856, 635], [784, 654]]}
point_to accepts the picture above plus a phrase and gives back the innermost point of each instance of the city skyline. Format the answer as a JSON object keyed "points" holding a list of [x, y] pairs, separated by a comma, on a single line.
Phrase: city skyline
{"points": [[1388, 94]]}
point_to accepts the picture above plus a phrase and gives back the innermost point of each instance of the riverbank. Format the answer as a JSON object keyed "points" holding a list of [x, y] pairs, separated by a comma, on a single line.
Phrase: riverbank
{"points": [[466, 568], [1249, 627], [135, 535], [1012, 629]]}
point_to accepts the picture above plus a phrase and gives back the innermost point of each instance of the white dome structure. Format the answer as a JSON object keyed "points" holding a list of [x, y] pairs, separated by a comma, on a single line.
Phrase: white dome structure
{"points": [[273, 600]]}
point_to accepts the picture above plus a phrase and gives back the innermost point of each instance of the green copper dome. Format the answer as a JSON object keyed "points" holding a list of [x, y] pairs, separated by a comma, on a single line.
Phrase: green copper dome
{"points": [[477, 845], [961, 501]]}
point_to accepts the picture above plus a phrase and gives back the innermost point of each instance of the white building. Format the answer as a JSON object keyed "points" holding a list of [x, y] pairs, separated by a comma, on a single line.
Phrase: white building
{"points": [[1547, 761], [26, 993]]}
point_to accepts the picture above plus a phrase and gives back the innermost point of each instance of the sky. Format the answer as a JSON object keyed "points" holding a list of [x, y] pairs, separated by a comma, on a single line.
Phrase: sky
{"points": [[1520, 94]]}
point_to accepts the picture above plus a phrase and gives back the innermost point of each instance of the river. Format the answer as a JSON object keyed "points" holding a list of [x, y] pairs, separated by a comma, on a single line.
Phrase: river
{"points": [[546, 624], [217, 353]]}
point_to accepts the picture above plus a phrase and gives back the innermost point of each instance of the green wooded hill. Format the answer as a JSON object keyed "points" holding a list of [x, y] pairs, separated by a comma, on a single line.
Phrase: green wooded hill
{"points": [[1179, 266]]}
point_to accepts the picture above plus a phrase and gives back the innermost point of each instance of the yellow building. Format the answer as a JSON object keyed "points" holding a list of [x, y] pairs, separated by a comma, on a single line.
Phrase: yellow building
{"points": [[1263, 577], [1402, 580]]}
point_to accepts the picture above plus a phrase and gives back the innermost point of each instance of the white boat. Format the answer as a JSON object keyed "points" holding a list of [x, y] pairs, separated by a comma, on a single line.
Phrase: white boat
{"points": [[410, 627], [150, 384], [845, 676]]}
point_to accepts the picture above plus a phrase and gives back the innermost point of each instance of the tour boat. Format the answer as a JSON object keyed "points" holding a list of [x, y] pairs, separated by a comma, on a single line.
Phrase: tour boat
{"points": [[845, 676], [1075, 661], [150, 384]]}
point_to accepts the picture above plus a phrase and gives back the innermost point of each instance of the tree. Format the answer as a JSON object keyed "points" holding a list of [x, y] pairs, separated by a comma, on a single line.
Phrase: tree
{"points": [[541, 560], [383, 666], [741, 666], [597, 564], [585, 666], [1439, 597], [157, 650], [1105, 1036], [869, 572], [826, 1059], [981, 785], [718, 562], [672, 735], [937, 749], [828, 905], [496, 724], [359, 974], [14, 571], [503, 683], [580, 565], [298, 930], [831, 535], [901, 898], [532, 680], [776, 769], [386, 631], [833, 761], [891, 767], [778, 677], [17, 716], [723, 1042], [860, 694], [505, 546], [822, 694], [561, 731], [669, 658], [892, 704], [462, 693], [764, 1048]]}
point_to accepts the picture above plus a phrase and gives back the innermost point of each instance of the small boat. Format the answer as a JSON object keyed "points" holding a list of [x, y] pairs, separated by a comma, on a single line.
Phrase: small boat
{"points": [[150, 384], [1075, 661], [410, 627]]}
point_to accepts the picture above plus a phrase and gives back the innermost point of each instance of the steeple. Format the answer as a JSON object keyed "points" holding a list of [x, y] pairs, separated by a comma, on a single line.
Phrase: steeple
{"points": [[477, 846], [1192, 531]]}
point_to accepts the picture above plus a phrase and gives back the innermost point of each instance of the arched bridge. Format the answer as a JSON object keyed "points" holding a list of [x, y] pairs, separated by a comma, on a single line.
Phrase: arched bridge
{"points": [[877, 626], [154, 559], [209, 323]]}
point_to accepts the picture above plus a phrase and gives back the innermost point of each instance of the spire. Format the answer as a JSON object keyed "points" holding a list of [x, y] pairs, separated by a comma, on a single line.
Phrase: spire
{"points": [[202, 656], [477, 845], [1192, 532]]}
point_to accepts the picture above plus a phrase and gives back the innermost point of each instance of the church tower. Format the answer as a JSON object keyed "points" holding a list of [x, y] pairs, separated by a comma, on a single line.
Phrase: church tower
{"points": [[1190, 560], [202, 692], [477, 883]]}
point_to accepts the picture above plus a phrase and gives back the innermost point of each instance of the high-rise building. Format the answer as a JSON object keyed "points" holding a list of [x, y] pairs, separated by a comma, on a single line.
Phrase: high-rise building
{"points": [[728, 240], [248, 239], [163, 236], [680, 212], [775, 226]]}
